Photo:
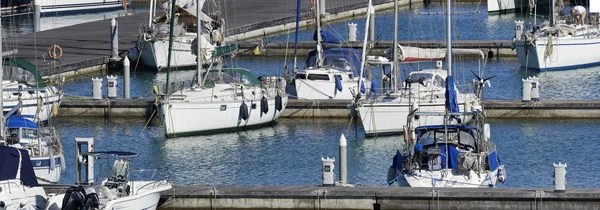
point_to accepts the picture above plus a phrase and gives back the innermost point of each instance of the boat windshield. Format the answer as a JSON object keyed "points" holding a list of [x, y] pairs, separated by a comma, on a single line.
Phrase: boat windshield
{"points": [[438, 81], [231, 77], [338, 63], [454, 137], [13, 73]]}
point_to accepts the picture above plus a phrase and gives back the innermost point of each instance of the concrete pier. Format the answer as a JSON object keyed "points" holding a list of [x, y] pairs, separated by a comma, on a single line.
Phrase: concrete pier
{"points": [[558, 109], [288, 197]]}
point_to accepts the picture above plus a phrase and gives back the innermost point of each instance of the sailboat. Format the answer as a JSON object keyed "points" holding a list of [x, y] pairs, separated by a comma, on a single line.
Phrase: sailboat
{"points": [[23, 84], [153, 49], [557, 45], [43, 145], [423, 90], [448, 155], [221, 99], [330, 73]]}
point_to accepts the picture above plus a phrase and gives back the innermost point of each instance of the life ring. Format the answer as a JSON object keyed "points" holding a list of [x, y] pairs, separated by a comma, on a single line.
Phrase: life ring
{"points": [[55, 52]]}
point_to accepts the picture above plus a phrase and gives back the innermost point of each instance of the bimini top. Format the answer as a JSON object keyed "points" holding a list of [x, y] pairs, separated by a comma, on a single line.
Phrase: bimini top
{"points": [[119, 154], [450, 127], [20, 122], [23, 72], [342, 58], [9, 165]]}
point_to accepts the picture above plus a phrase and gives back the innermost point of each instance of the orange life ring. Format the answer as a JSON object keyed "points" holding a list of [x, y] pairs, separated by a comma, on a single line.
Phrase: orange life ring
{"points": [[55, 52]]}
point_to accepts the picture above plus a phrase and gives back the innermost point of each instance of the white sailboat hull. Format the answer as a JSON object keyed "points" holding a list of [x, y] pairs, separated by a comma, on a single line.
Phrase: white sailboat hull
{"points": [[37, 106], [505, 5], [14, 193], [186, 118], [451, 178], [155, 53], [321, 89], [73, 6], [45, 171], [566, 53], [386, 118]]}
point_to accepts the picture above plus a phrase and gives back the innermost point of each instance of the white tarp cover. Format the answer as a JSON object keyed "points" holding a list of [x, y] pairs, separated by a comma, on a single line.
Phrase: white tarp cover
{"points": [[594, 6]]}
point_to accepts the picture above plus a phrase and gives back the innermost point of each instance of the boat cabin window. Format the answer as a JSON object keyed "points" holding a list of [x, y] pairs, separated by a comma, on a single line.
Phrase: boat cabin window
{"points": [[350, 76], [13, 132], [300, 76], [338, 63], [12, 73], [30, 133], [439, 81], [455, 136], [426, 77], [318, 77]]}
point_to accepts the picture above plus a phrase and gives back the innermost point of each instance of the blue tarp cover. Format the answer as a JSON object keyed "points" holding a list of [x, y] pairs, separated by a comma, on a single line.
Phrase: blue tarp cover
{"points": [[327, 37], [452, 157], [9, 164], [397, 161], [20, 122], [352, 55], [451, 103], [493, 159]]}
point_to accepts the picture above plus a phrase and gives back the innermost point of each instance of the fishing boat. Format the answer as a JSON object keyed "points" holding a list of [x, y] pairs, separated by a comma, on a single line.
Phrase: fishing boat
{"points": [[557, 46], [23, 84], [43, 145], [330, 73], [221, 99], [118, 191]]}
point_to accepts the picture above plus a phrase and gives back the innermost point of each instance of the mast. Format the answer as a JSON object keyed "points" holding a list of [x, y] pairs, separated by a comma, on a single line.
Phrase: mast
{"points": [[395, 71], [296, 38], [199, 43], [171, 25], [449, 38], [370, 11], [319, 38], [2, 122]]}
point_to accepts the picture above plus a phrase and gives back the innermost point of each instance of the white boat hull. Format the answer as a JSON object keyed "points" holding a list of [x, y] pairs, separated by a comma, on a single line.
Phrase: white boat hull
{"points": [[154, 54], [322, 89], [75, 6], [30, 108], [14, 193], [209, 117], [47, 172], [451, 178], [567, 53], [506, 5], [387, 118]]}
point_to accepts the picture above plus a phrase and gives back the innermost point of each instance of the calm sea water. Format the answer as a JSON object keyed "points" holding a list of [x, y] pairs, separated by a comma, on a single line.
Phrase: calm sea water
{"points": [[289, 152]]}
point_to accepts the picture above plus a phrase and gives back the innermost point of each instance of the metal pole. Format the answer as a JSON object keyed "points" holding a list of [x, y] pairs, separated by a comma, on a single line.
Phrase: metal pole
{"points": [[394, 69], [126, 80], [322, 9], [171, 24], [37, 9], [319, 38], [114, 39], [449, 38], [150, 15], [2, 123], [372, 26], [200, 54], [343, 162]]}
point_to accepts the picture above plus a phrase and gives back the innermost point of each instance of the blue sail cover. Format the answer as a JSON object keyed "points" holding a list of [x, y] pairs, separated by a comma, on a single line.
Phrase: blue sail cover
{"points": [[451, 103], [353, 56], [20, 122], [9, 165], [327, 37]]}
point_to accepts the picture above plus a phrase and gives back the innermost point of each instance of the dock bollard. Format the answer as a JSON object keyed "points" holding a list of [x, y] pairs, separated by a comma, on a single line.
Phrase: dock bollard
{"points": [[112, 86], [126, 80], [328, 174], [352, 32], [37, 9], [97, 88], [114, 39], [343, 158], [560, 180], [526, 90], [535, 88]]}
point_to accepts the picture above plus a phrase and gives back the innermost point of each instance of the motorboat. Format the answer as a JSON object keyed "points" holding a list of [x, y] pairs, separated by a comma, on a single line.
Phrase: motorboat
{"points": [[18, 181], [118, 191]]}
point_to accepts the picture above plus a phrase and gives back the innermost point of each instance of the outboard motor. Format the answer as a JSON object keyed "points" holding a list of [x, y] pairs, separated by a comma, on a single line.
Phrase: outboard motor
{"points": [[74, 198]]}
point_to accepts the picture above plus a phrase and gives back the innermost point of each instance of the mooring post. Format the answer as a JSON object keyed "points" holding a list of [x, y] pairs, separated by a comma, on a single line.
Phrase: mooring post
{"points": [[560, 180], [37, 9], [126, 79], [352, 32], [322, 8], [343, 163], [96, 88], [114, 39], [372, 26]]}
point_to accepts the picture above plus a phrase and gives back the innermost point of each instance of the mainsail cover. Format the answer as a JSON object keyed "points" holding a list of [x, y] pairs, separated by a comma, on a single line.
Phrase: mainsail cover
{"points": [[327, 37], [411, 54], [451, 103]]}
